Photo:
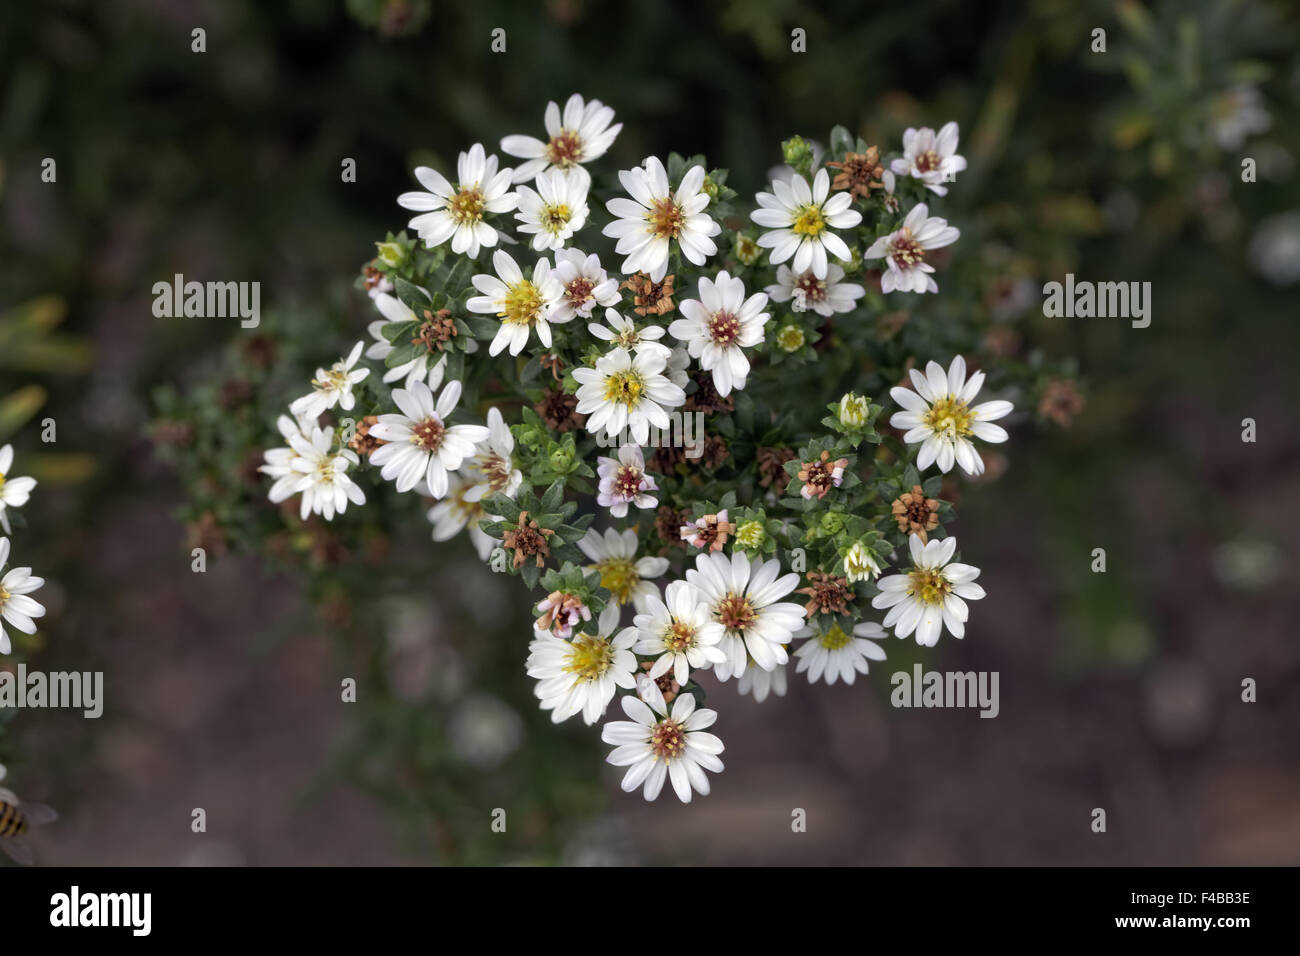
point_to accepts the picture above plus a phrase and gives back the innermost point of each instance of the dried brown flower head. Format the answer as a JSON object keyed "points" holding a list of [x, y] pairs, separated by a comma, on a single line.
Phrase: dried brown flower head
{"points": [[1061, 401], [362, 442], [827, 594], [821, 475], [771, 468], [650, 297], [859, 172], [668, 525], [915, 513], [708, 531], [436, 331], [528, 540], [559, 411], [706, 399]]}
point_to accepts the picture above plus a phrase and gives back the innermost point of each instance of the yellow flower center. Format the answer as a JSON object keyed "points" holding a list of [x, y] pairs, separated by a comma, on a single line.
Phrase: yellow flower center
{"points": [[949, 416], [466, 206], [334, 380], [522, 304], [666, 219], [835, 638], [809, 222], [678, 636], [928, 587], [619, 577], [555, 218], [589, 657], [625, 387]]}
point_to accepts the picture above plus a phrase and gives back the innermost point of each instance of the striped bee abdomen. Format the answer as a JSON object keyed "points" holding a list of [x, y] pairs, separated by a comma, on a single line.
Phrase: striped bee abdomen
{"points": [[12, 821]]}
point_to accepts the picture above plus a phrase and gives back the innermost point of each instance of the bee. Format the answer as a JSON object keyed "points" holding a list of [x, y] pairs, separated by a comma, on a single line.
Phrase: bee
{"points": [[16, 818]]}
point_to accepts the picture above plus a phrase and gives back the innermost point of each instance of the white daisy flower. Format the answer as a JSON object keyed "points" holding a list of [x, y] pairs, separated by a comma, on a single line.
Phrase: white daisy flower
{"points": [[760, 683], [581, 673], [586, 285], [520, 303], [623, 331], [742, 598], [423, 365], [16, 608], [658, 745], [321, 474], [556, 210], [455, 512], [940, 416], [719, 325], [929, 596], [579, 135], [624, 482], [278, 462], [799, 221], [904, 251], [332, 387], [929, 157], [673, 631], [420, 443], [824, 296], [833, 654], [627, 390], [14, 492], [456, 212], [646, 224], [492, 469], [622, 573]]}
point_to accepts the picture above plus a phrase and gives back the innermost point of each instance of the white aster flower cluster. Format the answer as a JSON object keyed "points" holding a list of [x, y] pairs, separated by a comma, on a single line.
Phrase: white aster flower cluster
{"points": [[732, 614]]}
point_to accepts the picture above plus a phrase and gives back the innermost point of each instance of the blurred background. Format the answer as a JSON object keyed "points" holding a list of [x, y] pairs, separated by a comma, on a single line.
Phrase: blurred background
{"points": [[1119, 690]]}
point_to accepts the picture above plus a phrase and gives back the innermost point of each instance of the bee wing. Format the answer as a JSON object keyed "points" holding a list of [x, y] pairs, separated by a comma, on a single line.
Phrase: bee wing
{"points": [[8, 796], [17, 851], [38, 814]]}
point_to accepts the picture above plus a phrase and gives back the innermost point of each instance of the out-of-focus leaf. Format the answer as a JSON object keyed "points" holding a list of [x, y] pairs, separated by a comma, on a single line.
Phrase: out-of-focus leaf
{"points": [[17, 408]]}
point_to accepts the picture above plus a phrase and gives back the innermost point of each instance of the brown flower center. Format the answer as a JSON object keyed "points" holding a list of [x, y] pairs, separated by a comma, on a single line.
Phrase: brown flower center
{"points": [[724, 328], [906, 250], [428, 434], [579, 291], [813, 288], [735, 612], [668, 740], [627, 481], [928, 161], [565, 148]]}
